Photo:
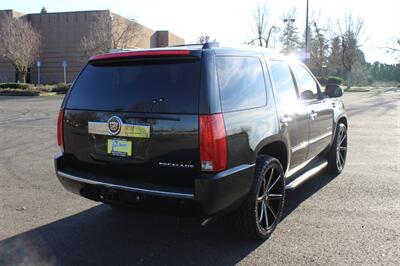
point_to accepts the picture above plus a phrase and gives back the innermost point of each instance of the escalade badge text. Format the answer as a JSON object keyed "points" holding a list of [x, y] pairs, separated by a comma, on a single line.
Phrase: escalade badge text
{"points": [[114, 125], [176, 165]]}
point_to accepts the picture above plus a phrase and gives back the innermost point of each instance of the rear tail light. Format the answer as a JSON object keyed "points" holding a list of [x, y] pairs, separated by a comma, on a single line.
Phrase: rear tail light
{"points": [[60, 137], [213, 153]]}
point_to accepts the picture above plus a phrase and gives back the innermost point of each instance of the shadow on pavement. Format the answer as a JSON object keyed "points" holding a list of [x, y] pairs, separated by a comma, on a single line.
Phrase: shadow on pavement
{"points": [[295, 197], [101, 236]]}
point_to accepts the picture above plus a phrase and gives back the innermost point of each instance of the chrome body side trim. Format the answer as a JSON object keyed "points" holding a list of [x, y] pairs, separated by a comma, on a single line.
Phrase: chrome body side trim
{"points": [[298, 167], [301, 146], [132, 189], [316, 139], [302, 178]]}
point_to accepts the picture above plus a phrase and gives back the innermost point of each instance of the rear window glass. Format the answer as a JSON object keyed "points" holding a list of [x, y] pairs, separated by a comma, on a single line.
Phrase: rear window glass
{"points": [[241, 83], [155, 87]]}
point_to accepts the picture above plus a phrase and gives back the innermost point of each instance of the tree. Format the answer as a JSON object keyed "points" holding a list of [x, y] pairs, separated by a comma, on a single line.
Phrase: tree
{"points": [[110, 32], [19, 43], [334, 58], [262, 27], [318, 49], [385, 72], [350, 33], [43, 10], [394, 49], [289, 38], [203, 39]]}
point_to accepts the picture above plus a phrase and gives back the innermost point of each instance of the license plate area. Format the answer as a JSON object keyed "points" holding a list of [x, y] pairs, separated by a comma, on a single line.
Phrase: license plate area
{"points": [[119, 147]]}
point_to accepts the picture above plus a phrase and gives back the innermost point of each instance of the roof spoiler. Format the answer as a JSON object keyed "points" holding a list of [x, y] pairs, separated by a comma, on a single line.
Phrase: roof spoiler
{"points": [[141, 54]]}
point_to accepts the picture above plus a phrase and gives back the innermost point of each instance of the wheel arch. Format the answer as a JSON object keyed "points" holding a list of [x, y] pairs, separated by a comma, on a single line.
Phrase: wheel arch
{"points": [[278, 150]]}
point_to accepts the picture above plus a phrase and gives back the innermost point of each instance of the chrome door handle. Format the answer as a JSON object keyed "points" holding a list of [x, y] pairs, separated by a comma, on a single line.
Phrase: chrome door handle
{"points": [[313, 115], [286, 119]]}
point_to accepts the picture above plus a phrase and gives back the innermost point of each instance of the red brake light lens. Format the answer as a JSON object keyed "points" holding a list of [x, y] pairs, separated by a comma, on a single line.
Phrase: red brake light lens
{"points": [[139, 54], [60, 121], [213, 150]]}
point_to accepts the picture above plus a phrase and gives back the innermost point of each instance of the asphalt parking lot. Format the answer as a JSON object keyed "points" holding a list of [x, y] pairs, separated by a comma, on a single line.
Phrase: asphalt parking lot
{"points": [[353, 218]]}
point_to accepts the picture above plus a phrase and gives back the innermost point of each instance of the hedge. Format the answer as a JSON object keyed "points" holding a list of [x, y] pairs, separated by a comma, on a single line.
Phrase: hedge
{"points": [[19, 92], [334, 80], [12, 88], [14, 85]]}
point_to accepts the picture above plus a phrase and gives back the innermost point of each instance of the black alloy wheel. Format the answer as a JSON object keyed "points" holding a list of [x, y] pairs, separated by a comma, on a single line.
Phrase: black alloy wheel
{"points": [[262, 209], [338, 153], [341, 147], [269, 199]]}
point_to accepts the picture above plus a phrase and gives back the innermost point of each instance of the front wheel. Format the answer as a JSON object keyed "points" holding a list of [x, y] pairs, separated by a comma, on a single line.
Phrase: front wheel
{"points": [[338, 153], [261, 211]]}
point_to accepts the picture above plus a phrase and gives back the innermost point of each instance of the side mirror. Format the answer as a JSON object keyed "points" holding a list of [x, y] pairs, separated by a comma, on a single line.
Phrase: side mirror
{"points": [[333, 91]]}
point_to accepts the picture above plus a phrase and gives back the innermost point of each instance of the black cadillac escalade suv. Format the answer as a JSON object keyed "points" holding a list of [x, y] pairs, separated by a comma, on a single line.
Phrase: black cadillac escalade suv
{"points": [[224, 130]]}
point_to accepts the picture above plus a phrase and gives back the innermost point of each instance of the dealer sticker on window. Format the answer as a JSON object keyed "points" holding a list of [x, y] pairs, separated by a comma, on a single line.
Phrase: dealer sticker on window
{"points": [[119, 147]]}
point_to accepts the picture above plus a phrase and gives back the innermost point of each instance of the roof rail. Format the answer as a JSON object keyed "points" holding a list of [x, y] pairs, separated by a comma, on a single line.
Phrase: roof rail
{"points": [[206, 45], [183, 45]]}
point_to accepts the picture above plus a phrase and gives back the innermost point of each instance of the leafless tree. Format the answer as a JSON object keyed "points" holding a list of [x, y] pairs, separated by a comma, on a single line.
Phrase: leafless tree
{"points": [[262, 27], [110, 32], [334, 58], [394, 49], [19, 43], [203, 39], [318, 48], [350, 32], [397, 49]]}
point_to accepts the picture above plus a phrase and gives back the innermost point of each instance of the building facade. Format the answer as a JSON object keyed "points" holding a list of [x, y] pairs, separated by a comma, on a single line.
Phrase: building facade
{"points": [[61, 35]]}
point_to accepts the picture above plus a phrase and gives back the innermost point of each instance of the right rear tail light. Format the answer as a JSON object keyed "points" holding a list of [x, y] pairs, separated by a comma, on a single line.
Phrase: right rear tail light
{"points": [[60, 135], [213, 148]]}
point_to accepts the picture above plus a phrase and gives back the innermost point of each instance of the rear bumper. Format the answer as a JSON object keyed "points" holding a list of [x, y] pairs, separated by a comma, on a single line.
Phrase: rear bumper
{"points": [[211, 194]]}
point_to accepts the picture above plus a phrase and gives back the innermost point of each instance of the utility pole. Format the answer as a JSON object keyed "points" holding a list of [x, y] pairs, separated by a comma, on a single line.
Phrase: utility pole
{"points": [[306, 48]]}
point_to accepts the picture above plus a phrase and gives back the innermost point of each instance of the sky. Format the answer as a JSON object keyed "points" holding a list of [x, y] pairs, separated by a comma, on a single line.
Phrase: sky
{"points": [[232, 21]]}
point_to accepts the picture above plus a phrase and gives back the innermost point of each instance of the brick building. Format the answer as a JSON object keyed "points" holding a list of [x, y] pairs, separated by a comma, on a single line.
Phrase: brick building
{"points": [[61, 35]]}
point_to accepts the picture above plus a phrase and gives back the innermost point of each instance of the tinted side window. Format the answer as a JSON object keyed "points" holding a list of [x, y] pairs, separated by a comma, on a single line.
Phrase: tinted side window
{"points": [[283, 81], [241, 83], [308, 86]]}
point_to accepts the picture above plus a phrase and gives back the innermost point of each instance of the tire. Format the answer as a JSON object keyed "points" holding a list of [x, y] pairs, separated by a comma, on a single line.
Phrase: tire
{"points": [[337, 154], [250, 219]]}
